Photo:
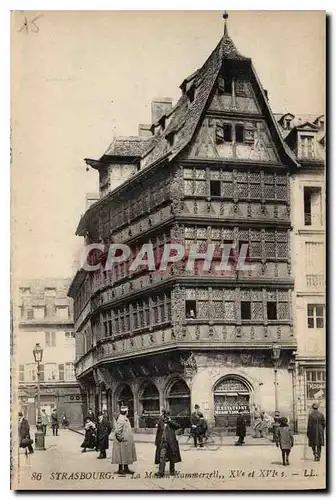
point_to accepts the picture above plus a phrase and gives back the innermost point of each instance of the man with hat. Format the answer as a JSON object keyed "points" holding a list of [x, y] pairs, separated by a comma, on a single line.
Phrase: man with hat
{"points": [[315, 431], [123, 452], [103, 431], [198, 426]]}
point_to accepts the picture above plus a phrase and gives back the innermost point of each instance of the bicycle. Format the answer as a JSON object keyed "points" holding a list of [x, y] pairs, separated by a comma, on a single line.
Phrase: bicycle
{"points": [[211, 441]]}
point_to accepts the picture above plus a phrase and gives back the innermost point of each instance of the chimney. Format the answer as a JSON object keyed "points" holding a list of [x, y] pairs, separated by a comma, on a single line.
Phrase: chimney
{"points": [[161, 106], [144, 131]]}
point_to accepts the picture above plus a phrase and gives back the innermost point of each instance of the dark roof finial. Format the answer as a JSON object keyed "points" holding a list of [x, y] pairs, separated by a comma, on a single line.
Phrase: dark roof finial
{"points": [[225, 16]]}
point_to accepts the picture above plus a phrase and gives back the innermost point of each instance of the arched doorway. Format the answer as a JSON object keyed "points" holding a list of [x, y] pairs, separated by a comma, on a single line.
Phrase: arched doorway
{"points": [[231, 394], [150, 403], [125, 397], [178, 399]]}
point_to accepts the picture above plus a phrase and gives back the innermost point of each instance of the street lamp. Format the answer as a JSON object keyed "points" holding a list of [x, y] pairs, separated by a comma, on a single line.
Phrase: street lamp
{"points": [[39, 435], [276, 350]]}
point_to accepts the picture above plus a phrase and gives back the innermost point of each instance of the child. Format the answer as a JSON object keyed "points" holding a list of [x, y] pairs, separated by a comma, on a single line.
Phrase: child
{"points": [[284, 437]]}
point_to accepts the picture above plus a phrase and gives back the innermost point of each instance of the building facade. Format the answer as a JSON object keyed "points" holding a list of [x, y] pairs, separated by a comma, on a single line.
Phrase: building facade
{"points": [[45, 316], [306, 136], [212, 169]]}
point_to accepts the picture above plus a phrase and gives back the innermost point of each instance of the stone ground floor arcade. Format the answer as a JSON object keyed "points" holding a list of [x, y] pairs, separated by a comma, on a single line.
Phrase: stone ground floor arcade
{"points": [[220, 382]]}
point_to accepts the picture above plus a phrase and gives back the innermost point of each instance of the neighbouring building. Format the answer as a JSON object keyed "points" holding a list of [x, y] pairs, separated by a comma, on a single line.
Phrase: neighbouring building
{"points": [[214, 168], [45, 316], [306, 136]]}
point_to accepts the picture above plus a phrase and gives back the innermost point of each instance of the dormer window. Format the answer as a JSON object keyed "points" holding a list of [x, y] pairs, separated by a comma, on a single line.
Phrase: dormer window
{"points": [[307, 146], [322, 124], [287, 124], [170, 138], [223, 133], [225, 85], [191, 94], [162, 123]]}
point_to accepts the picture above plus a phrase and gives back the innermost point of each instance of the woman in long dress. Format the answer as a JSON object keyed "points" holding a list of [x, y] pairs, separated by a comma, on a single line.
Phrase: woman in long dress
{"points": [[90, 438]]}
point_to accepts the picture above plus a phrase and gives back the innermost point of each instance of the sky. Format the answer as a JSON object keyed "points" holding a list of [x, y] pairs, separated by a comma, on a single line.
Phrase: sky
{"points": [[80, 78]]}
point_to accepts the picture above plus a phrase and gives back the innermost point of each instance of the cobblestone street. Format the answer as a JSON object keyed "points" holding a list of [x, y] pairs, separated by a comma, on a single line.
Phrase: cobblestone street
{"points": [[63, 466]]}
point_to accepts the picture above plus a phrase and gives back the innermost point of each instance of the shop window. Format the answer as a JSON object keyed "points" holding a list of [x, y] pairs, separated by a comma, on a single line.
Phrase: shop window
{"points": [[245, 310], [190, 309], [215, 188], [240, 133], [271, 310], [315, 314]]}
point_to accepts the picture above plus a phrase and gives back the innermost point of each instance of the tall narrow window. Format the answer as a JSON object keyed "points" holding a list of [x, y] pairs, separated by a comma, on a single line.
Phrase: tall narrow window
{"points": [[312, 205], [190, 309], [245, 310], [240, 133], [315, 315], [215, 188], [271, 310], [227, 132], [61, 372], [228, 85]]}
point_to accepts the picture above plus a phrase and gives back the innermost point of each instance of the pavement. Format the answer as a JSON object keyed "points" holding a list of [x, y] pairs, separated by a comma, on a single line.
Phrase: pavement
{"points": [[63, 467], [225, 440]]}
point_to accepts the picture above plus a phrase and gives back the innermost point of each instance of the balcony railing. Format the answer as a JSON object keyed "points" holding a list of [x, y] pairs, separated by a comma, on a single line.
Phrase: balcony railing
{"points": [[315, 281]]}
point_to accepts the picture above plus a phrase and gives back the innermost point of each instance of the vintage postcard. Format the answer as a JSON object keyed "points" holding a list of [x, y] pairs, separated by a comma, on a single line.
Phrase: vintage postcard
{"points": [[168, 250]]}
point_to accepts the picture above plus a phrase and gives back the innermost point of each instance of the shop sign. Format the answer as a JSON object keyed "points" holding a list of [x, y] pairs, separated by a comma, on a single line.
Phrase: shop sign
{"points": [[150, 413], [231, 409], [315, 390]]}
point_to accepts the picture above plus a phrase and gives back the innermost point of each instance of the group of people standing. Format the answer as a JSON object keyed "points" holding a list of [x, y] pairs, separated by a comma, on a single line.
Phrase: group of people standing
{"points": [[53, 420]]}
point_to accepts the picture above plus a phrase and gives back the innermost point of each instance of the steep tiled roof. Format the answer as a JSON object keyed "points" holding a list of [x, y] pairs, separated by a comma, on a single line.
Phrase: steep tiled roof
{"points": [[128, 146], [186, 115]]}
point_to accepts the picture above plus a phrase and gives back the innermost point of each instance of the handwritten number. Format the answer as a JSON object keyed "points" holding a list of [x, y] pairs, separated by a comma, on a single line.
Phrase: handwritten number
{"points": [[30, 25]]}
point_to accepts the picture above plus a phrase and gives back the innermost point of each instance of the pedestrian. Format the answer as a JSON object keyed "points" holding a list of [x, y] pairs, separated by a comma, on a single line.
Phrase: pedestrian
{"points": [[44, 421], [275, 425], [123, 452], [103, 431], [258, 424], [197, 430], [284, 438], [91, 416], [315, 431], [54, 422], [25, 440], [90, 437], [65, 421], [240, 428], [167, 447]]}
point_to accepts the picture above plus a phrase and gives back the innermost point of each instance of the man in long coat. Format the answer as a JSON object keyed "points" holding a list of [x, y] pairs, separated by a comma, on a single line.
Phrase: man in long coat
{"points": [[123, 452], [315, 431], [167, 447], [197, 427], [54, 422], [103, 431], [240, 428], [24, 433]]}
